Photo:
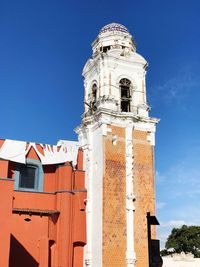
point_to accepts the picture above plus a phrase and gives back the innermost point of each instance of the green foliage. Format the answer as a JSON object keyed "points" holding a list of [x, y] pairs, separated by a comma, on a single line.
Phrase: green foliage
{"points": [[165, 252], [186, 239]]}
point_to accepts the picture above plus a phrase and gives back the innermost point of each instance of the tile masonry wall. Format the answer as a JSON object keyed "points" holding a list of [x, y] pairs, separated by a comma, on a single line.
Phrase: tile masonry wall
{"points": [[144, 192], [114, 201], [114, 197]]}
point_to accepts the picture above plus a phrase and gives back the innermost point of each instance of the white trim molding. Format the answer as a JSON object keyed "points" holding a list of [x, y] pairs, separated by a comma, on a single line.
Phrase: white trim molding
{"points": [[130, 252]]}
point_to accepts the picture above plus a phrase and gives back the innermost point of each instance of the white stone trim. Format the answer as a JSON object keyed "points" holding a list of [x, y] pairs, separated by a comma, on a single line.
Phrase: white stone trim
{"points": [[151, 138], [130, 251], [91, 139], [88, 180]]}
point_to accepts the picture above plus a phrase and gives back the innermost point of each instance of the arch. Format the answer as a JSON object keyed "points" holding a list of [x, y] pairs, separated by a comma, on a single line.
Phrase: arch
{"points": [[125, 94], [94, 93], [126, 76]]}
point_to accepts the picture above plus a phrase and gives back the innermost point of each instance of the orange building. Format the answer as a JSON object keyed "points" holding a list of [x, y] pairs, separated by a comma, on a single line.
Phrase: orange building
{"points": [[42, 210]]}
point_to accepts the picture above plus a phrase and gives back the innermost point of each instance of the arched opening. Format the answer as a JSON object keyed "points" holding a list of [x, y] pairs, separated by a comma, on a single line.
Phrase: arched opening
{"points": [[94, 93], [125, 86]]}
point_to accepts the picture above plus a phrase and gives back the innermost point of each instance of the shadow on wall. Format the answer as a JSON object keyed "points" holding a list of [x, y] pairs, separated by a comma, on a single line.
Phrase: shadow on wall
{"points": [[19, 256]]}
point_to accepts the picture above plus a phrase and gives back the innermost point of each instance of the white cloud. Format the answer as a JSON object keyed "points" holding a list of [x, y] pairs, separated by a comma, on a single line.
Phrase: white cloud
{"points": [[180, 180], [178, 188], [163, 238], [178, 87], [160, 205], [160, 178], [175, 223]]}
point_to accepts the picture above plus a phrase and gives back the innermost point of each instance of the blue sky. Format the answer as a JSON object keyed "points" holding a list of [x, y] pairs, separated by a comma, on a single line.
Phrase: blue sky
{"points": [[43, 48]]}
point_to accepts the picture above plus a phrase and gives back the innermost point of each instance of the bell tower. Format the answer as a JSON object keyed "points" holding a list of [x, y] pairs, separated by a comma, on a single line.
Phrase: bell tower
{"points": [[117, 136]]}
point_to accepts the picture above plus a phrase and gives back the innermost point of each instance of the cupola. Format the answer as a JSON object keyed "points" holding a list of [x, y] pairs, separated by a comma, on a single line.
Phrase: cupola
{"points": [[113, 36]]}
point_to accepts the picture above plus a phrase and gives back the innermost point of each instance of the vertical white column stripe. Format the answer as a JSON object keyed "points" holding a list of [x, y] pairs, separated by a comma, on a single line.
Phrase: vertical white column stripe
{"points": [[130, 251], [88, 173]]}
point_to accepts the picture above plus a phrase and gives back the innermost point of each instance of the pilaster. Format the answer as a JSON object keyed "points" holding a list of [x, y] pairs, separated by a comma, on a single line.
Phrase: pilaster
{"points": [[130, 197]]}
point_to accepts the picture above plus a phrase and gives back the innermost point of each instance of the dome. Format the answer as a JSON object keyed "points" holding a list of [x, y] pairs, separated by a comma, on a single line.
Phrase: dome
{"points": [[114, 27]]}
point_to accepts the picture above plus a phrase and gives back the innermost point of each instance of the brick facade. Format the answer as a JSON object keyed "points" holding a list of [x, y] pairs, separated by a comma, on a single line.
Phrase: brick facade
{"points": [[114, 197], [114, 200], [144, 191]]}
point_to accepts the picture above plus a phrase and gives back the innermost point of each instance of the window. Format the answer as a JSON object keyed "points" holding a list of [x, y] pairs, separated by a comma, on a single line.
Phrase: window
{"points": [[29, 176], [105, 48], [125, 86]]}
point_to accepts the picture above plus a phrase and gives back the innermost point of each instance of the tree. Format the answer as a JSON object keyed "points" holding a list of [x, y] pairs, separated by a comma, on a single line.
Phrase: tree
{"points": [[185, 239]]}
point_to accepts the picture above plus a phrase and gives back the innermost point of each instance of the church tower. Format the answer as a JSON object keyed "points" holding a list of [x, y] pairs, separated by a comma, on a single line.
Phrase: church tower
{"points": [[117, 137]]}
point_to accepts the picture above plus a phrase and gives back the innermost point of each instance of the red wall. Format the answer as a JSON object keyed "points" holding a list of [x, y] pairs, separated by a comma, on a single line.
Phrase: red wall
{"points": [[6, 194], [45, 229]]}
